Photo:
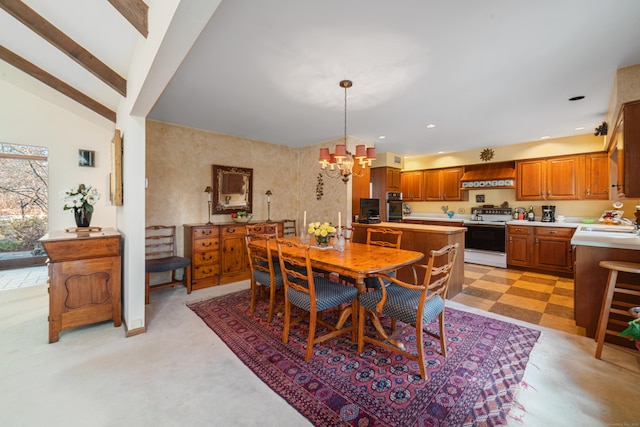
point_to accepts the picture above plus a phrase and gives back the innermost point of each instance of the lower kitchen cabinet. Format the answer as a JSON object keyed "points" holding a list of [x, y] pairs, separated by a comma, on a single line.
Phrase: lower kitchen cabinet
{"points": [[519, 245], [541, 248], [552, 249]]}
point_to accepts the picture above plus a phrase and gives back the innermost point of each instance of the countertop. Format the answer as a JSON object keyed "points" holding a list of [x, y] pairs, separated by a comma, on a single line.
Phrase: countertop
{"points": [[606, 236], [569, 222], [441, 229]]}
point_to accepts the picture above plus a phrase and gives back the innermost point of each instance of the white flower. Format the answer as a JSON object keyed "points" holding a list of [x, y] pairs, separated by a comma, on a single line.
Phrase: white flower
{"points": [[82, 196]]}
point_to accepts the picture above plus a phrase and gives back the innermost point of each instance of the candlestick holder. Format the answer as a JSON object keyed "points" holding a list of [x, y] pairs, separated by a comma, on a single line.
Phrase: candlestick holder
{"points": [[268, 194], [209, 190]]}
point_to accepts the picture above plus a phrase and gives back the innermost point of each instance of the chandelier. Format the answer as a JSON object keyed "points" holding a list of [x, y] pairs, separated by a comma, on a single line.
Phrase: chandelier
{"points": [[341, 163]]}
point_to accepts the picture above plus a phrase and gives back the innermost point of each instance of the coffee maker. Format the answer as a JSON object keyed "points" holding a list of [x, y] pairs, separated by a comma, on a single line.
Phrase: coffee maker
{"points": [[548, 213]]}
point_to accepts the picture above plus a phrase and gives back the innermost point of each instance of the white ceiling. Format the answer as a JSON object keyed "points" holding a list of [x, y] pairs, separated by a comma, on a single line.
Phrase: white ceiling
{"points": [[486, 73]]}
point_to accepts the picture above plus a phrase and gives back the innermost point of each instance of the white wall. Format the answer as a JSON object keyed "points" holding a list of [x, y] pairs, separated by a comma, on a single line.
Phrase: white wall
{"points": [[28, 119]]}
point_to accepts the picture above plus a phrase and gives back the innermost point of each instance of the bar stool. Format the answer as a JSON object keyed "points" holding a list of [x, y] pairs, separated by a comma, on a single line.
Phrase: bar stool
{"points": [[608, 302]]}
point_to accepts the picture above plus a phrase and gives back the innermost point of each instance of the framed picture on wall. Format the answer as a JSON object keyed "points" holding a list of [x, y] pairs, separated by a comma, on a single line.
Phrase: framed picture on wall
{"points": [[86, 158]]}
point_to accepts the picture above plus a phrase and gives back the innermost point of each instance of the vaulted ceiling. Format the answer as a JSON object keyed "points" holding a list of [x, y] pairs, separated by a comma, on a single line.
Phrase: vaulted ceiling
{"points": [[484, 73]]}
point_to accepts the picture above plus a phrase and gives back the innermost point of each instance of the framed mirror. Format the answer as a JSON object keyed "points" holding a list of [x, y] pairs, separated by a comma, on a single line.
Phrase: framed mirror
{"points": [[232, 189]]}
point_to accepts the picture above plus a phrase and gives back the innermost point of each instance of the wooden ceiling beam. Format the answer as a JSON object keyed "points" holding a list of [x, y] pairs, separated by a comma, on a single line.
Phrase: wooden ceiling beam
{"points": [[53, 35], [134, 11], [46, 78]]}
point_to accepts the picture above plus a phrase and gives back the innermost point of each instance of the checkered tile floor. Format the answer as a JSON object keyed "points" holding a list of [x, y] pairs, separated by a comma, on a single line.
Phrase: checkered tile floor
{"points": [[542, 299]]}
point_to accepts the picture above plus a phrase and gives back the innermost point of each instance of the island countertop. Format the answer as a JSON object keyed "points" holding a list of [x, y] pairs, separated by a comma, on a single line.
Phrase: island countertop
{"points": [[423, 238]]}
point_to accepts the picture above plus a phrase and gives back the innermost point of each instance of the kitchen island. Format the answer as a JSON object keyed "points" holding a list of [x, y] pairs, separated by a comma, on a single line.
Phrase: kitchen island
{"points": [[423, 238], [594, 244]]}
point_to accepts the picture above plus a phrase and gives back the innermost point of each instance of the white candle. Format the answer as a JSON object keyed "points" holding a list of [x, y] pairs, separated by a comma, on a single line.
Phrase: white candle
{"points": [[304, 221], [339, 221]]}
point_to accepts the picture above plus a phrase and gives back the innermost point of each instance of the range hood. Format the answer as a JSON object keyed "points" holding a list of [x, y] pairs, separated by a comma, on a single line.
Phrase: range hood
{"points": [[501, 175]]}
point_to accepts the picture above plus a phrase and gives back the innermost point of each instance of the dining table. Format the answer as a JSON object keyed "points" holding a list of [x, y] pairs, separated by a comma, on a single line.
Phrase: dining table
{"points": [[357, 261]]}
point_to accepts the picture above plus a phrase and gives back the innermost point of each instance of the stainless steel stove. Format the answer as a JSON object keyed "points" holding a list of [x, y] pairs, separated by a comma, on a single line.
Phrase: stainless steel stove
{"points": [[485, 240]]}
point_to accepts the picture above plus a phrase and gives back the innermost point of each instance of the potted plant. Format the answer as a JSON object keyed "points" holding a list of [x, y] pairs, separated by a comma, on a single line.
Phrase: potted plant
{"points": [[633, 330]]}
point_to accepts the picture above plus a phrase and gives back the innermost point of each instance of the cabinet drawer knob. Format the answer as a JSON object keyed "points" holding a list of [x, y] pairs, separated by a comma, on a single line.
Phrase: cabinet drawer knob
{"points": [[552, 232]]}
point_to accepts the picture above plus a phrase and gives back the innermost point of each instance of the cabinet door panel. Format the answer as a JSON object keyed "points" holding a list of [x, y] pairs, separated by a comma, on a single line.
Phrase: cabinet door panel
{"points": [[563, 178], [518, 250], [432, 185], [554, 254], [531, 180], [451, 184], [596, 176]]}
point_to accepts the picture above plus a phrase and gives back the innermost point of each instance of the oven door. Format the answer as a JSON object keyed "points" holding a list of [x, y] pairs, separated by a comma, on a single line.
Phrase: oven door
{"points": [[486, 237], [394, 210]]}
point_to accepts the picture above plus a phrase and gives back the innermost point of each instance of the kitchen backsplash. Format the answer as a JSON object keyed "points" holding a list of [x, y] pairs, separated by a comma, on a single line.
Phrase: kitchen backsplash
{"points": [[569, 208]]}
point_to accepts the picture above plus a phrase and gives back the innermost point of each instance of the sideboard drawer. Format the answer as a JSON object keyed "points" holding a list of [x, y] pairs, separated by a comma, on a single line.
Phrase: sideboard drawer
{"points": [[206, 245], [230, 230], [204, 232], [205, 258], [204, 271]]}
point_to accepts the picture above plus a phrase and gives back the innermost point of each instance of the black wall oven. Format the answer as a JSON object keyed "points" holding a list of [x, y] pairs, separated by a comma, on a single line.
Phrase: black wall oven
{"points": [[394, 207]]}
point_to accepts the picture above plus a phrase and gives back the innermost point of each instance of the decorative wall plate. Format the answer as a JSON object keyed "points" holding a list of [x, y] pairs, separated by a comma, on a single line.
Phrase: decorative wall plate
{"points": [[486, 154]]}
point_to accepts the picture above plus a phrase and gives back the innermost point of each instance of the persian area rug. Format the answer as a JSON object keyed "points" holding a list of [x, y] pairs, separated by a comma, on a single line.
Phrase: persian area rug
{"points": [[474, 385]]}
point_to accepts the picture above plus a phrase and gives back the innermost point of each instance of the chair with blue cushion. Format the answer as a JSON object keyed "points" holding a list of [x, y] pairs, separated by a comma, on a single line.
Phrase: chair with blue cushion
{"points": [[265, 273], [413, 304], [313, 295], [161, 257], [384, 237]]}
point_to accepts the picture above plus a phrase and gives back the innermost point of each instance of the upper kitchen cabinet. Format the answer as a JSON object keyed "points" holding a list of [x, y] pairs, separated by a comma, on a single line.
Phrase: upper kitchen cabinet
{"points": [[411, 184], [624, 149], [383, 180], [444, 184], [596, 173], [556, 178]]}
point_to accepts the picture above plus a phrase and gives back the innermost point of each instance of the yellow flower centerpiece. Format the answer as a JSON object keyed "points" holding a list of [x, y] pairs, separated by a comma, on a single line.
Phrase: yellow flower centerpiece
{"points": [[322, 232]]}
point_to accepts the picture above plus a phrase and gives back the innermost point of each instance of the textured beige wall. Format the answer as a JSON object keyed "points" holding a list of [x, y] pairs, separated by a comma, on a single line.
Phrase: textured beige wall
{"points": [[178, 165]]}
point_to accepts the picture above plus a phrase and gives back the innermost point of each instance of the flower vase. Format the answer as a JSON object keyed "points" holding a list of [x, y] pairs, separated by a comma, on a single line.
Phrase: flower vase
{"points": [[82, 216], [322, 241]]}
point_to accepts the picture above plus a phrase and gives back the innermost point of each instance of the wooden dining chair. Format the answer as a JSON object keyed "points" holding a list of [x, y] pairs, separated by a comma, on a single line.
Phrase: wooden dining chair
{"points": [[161, 257], [265, 272], [262, 228], [289, 227], [384, 237], [313, 295], [413, 304]]}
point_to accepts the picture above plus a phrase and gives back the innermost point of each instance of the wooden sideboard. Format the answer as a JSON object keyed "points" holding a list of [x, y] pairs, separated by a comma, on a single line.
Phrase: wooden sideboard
{"points": [[218, 253], [84, 279]]}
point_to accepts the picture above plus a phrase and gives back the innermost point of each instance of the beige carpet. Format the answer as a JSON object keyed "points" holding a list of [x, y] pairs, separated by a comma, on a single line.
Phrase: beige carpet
{"points": [[179, 373]]}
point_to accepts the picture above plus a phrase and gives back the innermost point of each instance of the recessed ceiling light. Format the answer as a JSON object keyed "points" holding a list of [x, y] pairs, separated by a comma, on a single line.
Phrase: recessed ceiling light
{"points": [[545, 137], [431, 126], [576, 98], [440, 152], [381, 137], [580, 128]]}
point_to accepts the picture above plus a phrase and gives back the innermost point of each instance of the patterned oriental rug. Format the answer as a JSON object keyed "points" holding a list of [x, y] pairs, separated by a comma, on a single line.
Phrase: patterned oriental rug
{"points": [[475, 384]]}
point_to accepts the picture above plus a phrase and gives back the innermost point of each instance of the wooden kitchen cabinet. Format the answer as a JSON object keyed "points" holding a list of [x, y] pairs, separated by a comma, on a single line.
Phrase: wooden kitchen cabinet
{"points": [[234, 265], [202, 245], [552, 249], [624, 150], [383, 180], [84, 278], [555, 178], [519, 238], [444, 184], [360, 189], [596, 171], [411, 185], [542, 248]]}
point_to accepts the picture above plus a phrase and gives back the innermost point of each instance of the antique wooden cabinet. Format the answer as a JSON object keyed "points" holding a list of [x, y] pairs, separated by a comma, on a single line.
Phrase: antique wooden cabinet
{"points": [[202, 245], [84, 278], [218, 252], [411, 185]]}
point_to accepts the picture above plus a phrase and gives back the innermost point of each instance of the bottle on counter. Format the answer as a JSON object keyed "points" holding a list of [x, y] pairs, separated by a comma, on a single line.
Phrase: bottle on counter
{"points": [[531, 216]]}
